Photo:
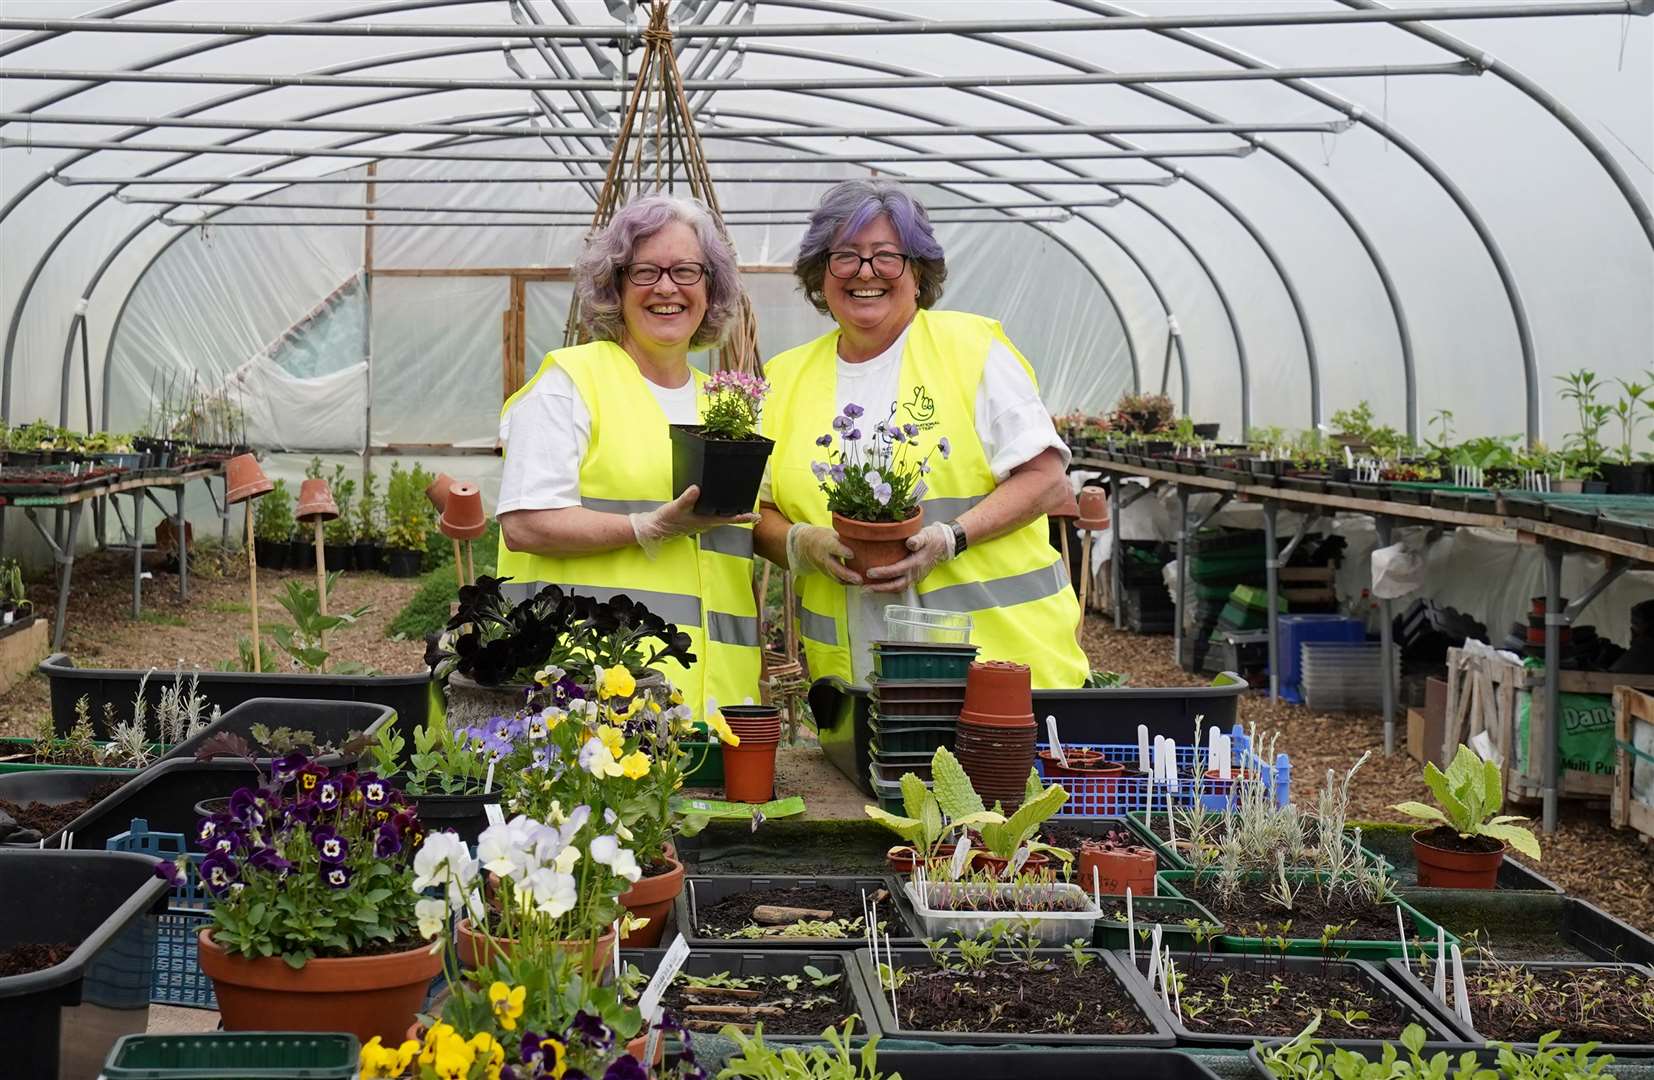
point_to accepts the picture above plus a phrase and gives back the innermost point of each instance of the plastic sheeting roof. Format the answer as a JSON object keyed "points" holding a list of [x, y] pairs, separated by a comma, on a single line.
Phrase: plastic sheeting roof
{"points": [[1422, 214]]}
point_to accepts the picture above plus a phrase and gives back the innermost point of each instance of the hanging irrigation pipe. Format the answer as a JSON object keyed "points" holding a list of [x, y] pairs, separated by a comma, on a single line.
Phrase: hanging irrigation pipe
{"points": [[917, 82], [1033, 217], [925, 27], [378, 207], [272, 179]]}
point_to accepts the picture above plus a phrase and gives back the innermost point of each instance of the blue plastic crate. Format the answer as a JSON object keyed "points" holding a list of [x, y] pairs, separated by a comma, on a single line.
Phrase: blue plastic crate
{"points": [[177, 976], [1115, 796], [1297, 629]]}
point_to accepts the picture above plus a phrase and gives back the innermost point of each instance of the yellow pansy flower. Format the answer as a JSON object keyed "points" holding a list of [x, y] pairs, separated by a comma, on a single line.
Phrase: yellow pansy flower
{"points": [[720, 727], [676, 696], [379, 1061], [507, 1003], [613, 738], [616, 682], [453, 1058], [552, 1058], [635, 766], [489, 1052]]}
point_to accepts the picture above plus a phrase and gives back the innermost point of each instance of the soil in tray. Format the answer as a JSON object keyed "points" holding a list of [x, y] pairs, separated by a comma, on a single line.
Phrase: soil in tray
{"points": [[783, 1004], [22, 959], [1069, 838], [50, 817], [732, 917], [1515, 1003], [1253, 914], [1265, 1001], [1019, 999]]}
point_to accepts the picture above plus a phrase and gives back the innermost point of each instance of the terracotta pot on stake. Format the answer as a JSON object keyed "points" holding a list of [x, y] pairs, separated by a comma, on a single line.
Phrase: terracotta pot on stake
{"points": [[316, 506], [1093, 517], [245, 481], [876, 543], [462, 518]]}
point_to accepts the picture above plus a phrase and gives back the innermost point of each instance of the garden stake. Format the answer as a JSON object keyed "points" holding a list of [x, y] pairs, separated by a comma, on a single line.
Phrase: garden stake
{"points": [[1085, 571], [1440, 983], [694, 919], [1461, 996], [459, 568], [470, 563], [1096, 888], [1143, 748], [321, 581], [252, 587], [1131, 927], [1177, 997], [1401, 927]]}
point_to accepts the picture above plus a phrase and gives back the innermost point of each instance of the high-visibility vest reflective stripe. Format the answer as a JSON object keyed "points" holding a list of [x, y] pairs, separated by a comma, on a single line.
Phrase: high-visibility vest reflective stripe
{"points": [[703, 584], [1014, 587]]}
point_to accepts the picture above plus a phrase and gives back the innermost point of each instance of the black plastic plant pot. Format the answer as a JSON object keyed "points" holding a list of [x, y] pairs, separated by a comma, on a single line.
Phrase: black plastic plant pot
{"points": [[1045, 1063], [704, 890], [366, 555], [1367, 975], [403, 562], [1533, 925], [1404, 977], [748, 963], [729, 471], [340, 556], [61, 1021], [462, 814], [406, 695], [331, 722], [1637, 478], [1155, 1033]]}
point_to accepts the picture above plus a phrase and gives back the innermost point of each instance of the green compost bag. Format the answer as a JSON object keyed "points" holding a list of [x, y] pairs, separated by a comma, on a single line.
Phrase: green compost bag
{"points": [[1585, 739]]}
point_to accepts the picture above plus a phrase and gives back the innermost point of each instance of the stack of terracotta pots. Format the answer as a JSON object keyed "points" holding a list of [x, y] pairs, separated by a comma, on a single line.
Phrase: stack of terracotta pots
{"points": [[749, 769], [996, 737]]}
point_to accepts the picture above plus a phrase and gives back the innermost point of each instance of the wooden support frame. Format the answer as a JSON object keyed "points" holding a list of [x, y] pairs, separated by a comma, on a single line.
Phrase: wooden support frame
{"points": [[1630, 706]]}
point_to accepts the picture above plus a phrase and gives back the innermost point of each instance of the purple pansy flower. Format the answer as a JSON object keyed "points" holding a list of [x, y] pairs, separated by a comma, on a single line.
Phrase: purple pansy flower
{"points": [[246, 806], [825, 440], [270, 861], [911, 430], [626, 1067], [837, 473], [337, 877], [286, 768], [853, 411], [881, 493], [853, 435], [170, 872], [219, 872], [329, 794], [819, 468], [841, 423], [374, 790], [387, 841], [592, 1030], [331, 848]]}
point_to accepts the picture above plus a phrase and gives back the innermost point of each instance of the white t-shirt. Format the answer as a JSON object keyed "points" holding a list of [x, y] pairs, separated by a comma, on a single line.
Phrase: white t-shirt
{"points": [[548, 431], [1012, 423]]}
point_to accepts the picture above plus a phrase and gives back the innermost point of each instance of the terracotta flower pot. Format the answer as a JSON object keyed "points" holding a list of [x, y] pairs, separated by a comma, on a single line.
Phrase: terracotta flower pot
{"points": [[244, 479], [1069, 510], [1093, 509], [1037, 864], [315, 502], [877, 543], [651, 898], [1445, 868], [364, 995], [749, 771], [462, 515], [1080, 763], [437, 491], [477, 949], [1117, 869], [901, 859], [999, 688]]}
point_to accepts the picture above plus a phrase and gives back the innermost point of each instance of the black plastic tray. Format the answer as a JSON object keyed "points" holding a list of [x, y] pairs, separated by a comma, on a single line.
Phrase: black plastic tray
{"points": [[329, 721], [1534, 926], [711, 888], [164, 794], [747, 962], [1159, 1035], [99, 900], [1041, 1062]]}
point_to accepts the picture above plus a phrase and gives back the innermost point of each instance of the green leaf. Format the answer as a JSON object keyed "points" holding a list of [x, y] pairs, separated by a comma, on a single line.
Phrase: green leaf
{"points": [[914, 795], [1003, 840], [1514, 835], [1421, 811], [1493, 788], [909, 829], [952, 786], [1440, 787]]}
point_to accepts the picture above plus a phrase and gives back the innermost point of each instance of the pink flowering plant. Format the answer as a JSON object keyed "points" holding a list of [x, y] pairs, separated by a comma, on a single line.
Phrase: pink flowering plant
{"points": [[734, 404], [876, 474]]}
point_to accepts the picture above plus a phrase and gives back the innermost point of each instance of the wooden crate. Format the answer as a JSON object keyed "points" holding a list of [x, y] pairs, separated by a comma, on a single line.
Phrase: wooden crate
{"points": [[1624, 809], [22, 648]]}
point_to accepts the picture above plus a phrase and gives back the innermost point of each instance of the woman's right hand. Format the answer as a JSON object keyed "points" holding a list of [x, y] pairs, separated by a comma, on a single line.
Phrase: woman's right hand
{"points": [[652, 528], [815, 547]]}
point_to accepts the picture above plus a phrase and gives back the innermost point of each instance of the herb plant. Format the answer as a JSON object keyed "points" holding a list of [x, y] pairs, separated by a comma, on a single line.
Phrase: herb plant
{"points": [[1471, 792], [878, 476], [303, 641]]}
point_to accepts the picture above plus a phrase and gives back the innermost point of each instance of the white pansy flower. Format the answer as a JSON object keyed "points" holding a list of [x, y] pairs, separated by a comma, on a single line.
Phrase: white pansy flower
{"points": [[554, 893], [442, 856], [606, 849], [432, 916]]}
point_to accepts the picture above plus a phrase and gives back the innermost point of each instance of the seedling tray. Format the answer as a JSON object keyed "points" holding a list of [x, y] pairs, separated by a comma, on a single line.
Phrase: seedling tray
{"points": [[915, 661], [710, 889], [1419, 926], [1365, 973], [1054, 927], [1157, 1033], [1168, 911], [1534, 926], [235, 1055], [1043, 1062], [1404, 977], [914, 739], [1175, 860], [22, 751]]}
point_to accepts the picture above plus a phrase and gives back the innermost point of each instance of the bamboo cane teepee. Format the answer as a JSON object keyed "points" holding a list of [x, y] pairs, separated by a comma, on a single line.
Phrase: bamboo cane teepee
{"points": [[657, 149]]}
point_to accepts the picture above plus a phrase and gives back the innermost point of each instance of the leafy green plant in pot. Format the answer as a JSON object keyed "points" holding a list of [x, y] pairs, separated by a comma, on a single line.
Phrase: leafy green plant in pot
{"points": [[407, 523], [272, 527], [724, 454], [370, 524], [1465, 849], [1625, 475], [926, 825], [873, 485], [339, 535]]}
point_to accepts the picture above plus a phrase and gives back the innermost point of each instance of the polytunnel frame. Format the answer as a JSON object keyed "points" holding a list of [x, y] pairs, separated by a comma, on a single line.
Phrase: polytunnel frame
{"points": [[1404, 20]]}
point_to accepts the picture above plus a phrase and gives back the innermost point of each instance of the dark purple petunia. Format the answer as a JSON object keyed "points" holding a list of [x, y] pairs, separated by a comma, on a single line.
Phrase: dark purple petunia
{"points": [[331, 848], [387, 841], [218, 872], [337, 877], [592, 1030], [170, 872]]}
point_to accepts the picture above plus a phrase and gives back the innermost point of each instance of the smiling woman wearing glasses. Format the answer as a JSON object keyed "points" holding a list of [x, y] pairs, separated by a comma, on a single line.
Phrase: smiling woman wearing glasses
{"points": [[586, 490], [870, 260]]}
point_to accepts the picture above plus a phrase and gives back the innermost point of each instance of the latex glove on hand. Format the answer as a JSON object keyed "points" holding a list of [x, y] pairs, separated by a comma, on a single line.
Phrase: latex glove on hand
{"points": [[930, 545], [652, 528], [817, 549]]}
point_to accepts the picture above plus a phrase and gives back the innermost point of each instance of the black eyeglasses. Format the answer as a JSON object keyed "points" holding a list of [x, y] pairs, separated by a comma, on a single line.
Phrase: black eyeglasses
{"points": [[684, 273], [847, 264]]}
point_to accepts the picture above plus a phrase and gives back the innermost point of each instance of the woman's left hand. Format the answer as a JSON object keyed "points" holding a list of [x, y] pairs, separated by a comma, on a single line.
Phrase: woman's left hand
{"points": [[930, 545]]}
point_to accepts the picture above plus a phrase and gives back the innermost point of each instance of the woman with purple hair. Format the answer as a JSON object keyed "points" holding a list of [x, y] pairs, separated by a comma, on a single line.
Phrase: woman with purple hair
{"points": [[870, 260], [586, 489]]}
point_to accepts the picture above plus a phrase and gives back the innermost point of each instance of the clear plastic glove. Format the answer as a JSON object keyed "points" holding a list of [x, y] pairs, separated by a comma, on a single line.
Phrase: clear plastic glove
{"points": [[930, 545], [677, 518], [812, 548]]}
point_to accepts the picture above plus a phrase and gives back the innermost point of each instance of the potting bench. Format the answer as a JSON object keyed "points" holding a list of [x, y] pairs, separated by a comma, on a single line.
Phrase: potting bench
{"points": [[61, 542], [1621, 553]]}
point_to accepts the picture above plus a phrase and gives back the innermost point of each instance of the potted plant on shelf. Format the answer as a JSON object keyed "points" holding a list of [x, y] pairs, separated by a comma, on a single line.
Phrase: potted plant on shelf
{"points": [[1627, 476], [723, 454], [1583, 446], [273, 527], [339, 534], [314, 924], [1143, 414], [1464, 851], [407, 523], [874, 484]]}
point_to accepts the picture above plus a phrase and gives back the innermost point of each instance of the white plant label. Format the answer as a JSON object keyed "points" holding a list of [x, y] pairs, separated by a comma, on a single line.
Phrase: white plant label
{"points": [[488, 781], [1225, 756], [961, 856], [1056, 743], [1461, 997], [670, 965], [1171, 764], [1131, 927], [493, 813], [1143, 748], [1213, 742], [1019, 858], [1439, 985], [1401, 927]]}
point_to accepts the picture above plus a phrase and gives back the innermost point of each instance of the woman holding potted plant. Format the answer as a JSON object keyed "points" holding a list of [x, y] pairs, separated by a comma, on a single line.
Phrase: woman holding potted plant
{"points": [[586, 495], [976, 539]]}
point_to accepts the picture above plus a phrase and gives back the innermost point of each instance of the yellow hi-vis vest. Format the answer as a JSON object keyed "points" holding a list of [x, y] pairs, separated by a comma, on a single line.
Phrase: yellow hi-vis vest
{"points": [[1014, 587], [702, 583]]}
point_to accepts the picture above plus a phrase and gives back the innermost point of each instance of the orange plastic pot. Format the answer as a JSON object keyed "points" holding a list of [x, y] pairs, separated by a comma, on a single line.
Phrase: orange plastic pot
{"points": [[651, 898], [477, 949], [1444, 868], [999, 688], [1117, 870], [749, 771], [876, 543], [364, 995]]}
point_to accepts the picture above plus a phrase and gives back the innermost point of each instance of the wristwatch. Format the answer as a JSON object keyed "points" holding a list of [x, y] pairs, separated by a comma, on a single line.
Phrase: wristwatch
{"points": [[959, 539]]}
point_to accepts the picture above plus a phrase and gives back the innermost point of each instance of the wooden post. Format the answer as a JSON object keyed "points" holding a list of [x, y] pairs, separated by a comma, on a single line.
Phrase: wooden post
{"points": [[1085, 572], [321, 580], [459, 567], [470, 563], [252, 586]]}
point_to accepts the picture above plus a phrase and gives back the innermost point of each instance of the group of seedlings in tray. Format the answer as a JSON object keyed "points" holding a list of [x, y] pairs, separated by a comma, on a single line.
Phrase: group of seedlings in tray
{"points": [[179, 714], [1516, 1002], [804, 911], [1306, 1057], [790, 1004]]}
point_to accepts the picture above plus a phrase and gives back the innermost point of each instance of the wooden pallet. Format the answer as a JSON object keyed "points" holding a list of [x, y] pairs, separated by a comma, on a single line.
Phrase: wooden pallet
{"points": [[1630, 706]]}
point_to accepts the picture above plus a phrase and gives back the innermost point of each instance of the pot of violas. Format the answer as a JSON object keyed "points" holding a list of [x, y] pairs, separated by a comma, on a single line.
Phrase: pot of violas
{"points": [[313, 923]]}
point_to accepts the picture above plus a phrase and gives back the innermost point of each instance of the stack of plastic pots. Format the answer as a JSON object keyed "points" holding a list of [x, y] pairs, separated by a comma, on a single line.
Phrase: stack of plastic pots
{"points": [[749, 769], [918, 690], [997, 733]]}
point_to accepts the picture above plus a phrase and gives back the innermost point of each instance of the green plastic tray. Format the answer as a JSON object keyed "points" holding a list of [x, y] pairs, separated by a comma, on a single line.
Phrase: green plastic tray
{"points": [[911, 664], [1168, 911], [244, 1055], [1174, 859], [1353, 949]]}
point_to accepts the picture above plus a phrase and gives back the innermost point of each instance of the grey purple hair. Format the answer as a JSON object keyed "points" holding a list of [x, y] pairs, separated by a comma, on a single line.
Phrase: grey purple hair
{"points": [[597, 278], [845, 210]]}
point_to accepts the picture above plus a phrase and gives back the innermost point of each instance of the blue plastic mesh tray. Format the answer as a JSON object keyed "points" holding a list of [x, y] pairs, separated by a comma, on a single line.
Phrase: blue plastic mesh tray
{"points": [[1115, 796], [178, 978]]}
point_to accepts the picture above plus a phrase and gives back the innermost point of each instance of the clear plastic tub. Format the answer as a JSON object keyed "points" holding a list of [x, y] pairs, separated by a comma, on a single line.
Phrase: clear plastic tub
{"points": [[1058, 927], [904, 623]]}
